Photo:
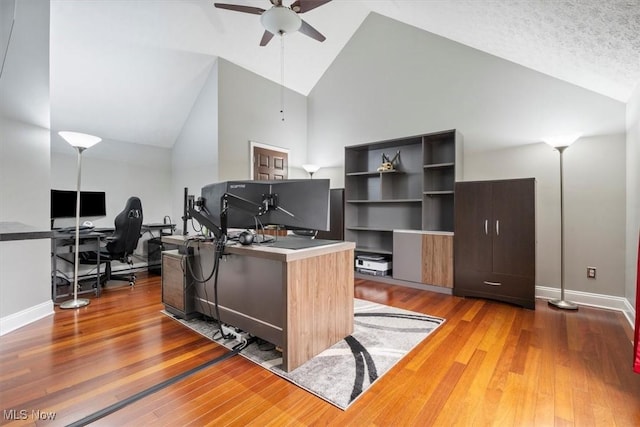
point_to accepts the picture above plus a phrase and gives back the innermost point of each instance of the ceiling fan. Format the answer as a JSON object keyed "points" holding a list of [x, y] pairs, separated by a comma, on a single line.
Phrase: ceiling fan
{"points": [[281, 19]]}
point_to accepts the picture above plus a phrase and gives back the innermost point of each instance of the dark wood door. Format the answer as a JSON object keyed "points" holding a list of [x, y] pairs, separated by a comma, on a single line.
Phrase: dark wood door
{"points": [[514, 227], [270, 164], [473, 232]]}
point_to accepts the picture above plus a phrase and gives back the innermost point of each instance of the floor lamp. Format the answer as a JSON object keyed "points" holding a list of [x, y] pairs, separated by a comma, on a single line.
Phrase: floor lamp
{"points": [[81, 142], [311, 169], [561, 144]]}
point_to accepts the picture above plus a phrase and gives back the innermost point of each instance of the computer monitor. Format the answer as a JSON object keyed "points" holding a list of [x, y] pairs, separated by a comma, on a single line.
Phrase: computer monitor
{"points": [[63, 204], [294, 203]]}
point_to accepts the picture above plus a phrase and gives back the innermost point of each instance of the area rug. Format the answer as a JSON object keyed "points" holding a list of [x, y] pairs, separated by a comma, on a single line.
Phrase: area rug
{"points": [[382, 336]]}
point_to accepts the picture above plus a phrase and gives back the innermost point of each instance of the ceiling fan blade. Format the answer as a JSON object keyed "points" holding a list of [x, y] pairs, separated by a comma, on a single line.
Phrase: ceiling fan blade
{"points": [[308, 30], [302, 6], [266, 38], [239, 8], [276, 2]]}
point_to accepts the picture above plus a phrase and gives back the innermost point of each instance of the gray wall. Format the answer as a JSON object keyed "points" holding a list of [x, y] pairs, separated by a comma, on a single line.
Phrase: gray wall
{"points": [[393, 80], [633, 195], [593, 184], [235, 107], [195, 153], [25, 285], [249, 110]]}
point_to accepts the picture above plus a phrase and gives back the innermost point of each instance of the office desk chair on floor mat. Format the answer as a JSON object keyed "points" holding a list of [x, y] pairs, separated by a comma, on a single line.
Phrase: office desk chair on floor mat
{"points": [[122, 243]]}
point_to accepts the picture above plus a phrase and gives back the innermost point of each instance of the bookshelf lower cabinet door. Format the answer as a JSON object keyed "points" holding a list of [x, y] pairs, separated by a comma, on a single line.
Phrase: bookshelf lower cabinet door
{"points": [[407, 254]]}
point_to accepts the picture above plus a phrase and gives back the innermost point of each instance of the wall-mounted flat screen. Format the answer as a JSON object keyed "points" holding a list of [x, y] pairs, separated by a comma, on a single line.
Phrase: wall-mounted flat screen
{"points": [[63, 204]]}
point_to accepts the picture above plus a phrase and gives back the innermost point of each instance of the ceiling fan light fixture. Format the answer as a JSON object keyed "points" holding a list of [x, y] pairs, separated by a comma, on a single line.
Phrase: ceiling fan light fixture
{"points": [[280, 20]]}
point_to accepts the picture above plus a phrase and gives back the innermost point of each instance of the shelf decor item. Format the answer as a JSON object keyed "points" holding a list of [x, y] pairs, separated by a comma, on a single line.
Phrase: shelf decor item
{"points": [[80, 141], [387, 164], [561, 144]]}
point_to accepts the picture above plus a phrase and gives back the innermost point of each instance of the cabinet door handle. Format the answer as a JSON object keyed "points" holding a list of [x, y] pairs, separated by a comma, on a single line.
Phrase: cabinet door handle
{"points": [[497, 227], [486, 226], [486, 282]]}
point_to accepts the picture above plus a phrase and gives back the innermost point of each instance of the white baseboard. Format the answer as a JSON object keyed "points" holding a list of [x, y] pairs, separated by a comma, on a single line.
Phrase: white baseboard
{"points": [[22, 318], [594, 300]]}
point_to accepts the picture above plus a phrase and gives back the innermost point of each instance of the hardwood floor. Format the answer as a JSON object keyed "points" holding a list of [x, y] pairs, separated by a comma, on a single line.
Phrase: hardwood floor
{"points": [[489, 364]]}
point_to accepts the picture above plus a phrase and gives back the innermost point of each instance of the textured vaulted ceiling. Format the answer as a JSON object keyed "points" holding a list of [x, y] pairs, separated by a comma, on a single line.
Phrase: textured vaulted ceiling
{"points": [[130, 70]]}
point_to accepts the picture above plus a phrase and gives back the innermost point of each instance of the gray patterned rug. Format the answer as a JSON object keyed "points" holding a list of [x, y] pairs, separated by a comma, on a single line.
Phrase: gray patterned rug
{"points": [[382, 336]]}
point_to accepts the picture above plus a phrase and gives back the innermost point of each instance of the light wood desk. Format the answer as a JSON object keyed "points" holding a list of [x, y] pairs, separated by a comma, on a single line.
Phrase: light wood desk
{"points": [[300, 300]]}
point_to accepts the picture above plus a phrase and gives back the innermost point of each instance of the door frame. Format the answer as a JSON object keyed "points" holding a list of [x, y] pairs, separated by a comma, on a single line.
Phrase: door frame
{"points": [[254, 144]]}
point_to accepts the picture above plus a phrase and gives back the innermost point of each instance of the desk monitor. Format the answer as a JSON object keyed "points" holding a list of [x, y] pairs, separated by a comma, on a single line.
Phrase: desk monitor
{"points": [[294, 203], [63, 204]]}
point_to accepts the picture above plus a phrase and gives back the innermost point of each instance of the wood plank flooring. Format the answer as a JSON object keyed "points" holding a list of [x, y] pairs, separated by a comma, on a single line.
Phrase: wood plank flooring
{"points": [[490, 364]]}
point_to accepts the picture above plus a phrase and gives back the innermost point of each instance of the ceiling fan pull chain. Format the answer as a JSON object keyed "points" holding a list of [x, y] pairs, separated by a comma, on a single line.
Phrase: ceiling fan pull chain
{"points": [[282, 75]]}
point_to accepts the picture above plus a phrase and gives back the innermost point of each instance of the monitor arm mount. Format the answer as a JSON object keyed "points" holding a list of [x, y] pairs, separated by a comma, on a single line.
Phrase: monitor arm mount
{"points": [[269, 203], [204, 217], [195, 209], [228, 200]]}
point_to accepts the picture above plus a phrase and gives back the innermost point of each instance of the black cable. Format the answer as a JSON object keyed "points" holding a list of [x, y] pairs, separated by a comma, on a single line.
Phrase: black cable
{"points": [[216, 265], [132, 399], [204, 288], [218, 252], [190, 268], [192, 284], [260, 232], [194, 227], [194, 280]]}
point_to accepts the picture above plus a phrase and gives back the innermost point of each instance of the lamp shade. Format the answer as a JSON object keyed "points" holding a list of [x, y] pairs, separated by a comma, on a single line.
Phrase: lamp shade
{"points": [[311, 168], [81, 140], [280, 20], [560, 141]]}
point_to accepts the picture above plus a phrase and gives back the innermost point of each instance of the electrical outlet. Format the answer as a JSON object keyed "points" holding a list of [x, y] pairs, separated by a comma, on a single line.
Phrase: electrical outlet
{"points": [[591, 272]]}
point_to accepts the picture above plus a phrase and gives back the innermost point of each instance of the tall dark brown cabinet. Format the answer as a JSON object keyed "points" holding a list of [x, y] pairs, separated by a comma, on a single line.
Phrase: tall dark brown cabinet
{"points": [[494, 240]]}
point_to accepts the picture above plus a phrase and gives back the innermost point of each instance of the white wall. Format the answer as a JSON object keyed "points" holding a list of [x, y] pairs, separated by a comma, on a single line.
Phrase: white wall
{"points": [[235, 107], [25, 281], [195, 153], [249, 110], [121, 170], [633, 194], [393, 80]]}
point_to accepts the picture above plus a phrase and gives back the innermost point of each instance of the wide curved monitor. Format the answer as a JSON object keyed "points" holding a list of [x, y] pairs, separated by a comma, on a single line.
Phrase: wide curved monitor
{"points": [[294, 203]]}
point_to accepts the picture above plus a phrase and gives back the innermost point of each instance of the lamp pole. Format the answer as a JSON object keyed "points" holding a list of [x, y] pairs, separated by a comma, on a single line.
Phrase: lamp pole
{"points": [[562, 303], [77, 302], [80, 142]]}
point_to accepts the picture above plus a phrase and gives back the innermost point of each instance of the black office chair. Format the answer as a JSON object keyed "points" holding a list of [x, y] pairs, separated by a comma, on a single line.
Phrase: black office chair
{"points": [[122, 243]]}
